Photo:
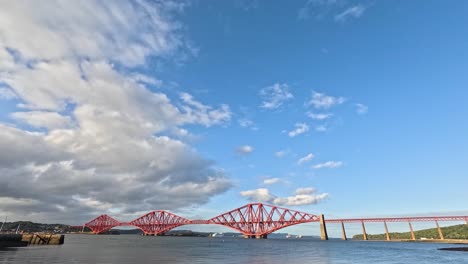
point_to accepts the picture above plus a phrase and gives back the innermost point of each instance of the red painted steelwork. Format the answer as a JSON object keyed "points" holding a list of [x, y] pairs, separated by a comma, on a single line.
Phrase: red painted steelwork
{"points": [[102, 223], [260, 219], [400, 219], [255, 219], [158, 222], [252, 220]]}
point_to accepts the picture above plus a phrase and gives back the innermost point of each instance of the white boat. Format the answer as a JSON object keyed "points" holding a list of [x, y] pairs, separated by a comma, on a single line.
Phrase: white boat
{"points": [[217, 235]]}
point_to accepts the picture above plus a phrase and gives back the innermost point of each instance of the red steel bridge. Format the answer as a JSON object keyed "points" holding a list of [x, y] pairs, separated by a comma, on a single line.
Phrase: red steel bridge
{"points": [[255, 220]]}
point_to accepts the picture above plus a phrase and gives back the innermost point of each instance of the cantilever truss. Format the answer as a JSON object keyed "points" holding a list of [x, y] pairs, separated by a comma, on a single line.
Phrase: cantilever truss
{"points": [[158, 222], [101, 224], [259, 219], [252, 220]]}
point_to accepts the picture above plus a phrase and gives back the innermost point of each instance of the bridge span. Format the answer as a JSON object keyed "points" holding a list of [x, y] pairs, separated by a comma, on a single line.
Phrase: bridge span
{"points": [[254, 220], [384, 220]]}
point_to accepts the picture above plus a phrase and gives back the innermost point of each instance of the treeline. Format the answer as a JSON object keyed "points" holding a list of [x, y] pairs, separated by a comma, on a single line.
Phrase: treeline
{"points": [[450, 232]]}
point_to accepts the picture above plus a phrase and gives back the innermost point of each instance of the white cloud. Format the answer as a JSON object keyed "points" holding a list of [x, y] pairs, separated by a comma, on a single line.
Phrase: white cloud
{"points": [[321, 128], [317, 8], [328, 164], [199, 113], [7, 62], [6, 94], [361, 109], [275, 96], [258, 195], [300, 199], [306, 158], [352, 12], [102, 128], [246, 149], [300, 128], [323, 101], [244, 122], [302, 196], [72, 30], [319, 116], [247, 123], [270, 181], [42, 119], [307, 190], [281, 153]]}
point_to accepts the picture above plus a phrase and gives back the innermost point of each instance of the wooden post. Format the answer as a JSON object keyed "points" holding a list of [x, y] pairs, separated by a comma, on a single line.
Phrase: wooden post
{"points": [[323, 228], [344, 237], [413, 237], [387, 235], [364, 233], [441, 235]]}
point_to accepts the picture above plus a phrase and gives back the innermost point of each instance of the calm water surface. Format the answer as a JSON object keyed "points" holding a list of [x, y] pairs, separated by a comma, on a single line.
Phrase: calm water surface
{"points": [[140, 249]]}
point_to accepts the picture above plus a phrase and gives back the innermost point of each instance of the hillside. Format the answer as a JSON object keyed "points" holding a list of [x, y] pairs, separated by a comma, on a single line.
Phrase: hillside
{"points": [[27, 226], [450, 232]]}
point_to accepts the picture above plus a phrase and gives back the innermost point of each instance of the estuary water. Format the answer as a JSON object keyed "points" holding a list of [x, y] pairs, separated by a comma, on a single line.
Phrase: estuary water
{"points": [[140, 249]]}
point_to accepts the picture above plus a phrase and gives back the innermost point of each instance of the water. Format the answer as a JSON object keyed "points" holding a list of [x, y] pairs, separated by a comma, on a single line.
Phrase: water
{"points": [[139, 249]]}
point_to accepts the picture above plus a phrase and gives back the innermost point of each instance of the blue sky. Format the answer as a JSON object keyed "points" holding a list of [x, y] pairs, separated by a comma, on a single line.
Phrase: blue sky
{"points": [[376, 89], [396, 59]]}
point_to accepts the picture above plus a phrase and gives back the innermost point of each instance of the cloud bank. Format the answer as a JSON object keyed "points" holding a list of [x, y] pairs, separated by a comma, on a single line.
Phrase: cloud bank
{"points": [[90, 133], [302, 196]]}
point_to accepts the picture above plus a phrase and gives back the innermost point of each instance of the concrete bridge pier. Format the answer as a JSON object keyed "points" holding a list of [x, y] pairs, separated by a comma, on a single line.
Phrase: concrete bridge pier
{"points": [[323, 228], [413, 237], [264, 236], [364, 233], [387, 234], [441, 235], [344, 237]]}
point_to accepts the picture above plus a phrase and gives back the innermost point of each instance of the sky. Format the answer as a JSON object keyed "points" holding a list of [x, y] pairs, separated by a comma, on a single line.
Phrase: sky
{"points": [[346, 108]]}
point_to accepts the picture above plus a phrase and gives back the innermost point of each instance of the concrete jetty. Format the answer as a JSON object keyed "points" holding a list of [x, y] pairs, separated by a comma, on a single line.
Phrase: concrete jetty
{"points": [[23, 240]]}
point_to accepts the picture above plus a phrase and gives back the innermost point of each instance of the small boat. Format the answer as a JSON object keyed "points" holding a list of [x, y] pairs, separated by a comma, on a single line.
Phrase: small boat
{"points": [[288, 236], [217, 235]]}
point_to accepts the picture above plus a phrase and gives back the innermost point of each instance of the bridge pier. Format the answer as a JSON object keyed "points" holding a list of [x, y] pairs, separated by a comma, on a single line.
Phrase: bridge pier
{"points": [[364, 233], [344, 237], [413, 237], [323, 228], [387, 234], [264, 236], [441, 235]]}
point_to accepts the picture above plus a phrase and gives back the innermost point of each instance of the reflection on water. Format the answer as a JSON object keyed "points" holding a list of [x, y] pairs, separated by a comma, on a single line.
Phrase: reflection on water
{"points": [[139, 249]]}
